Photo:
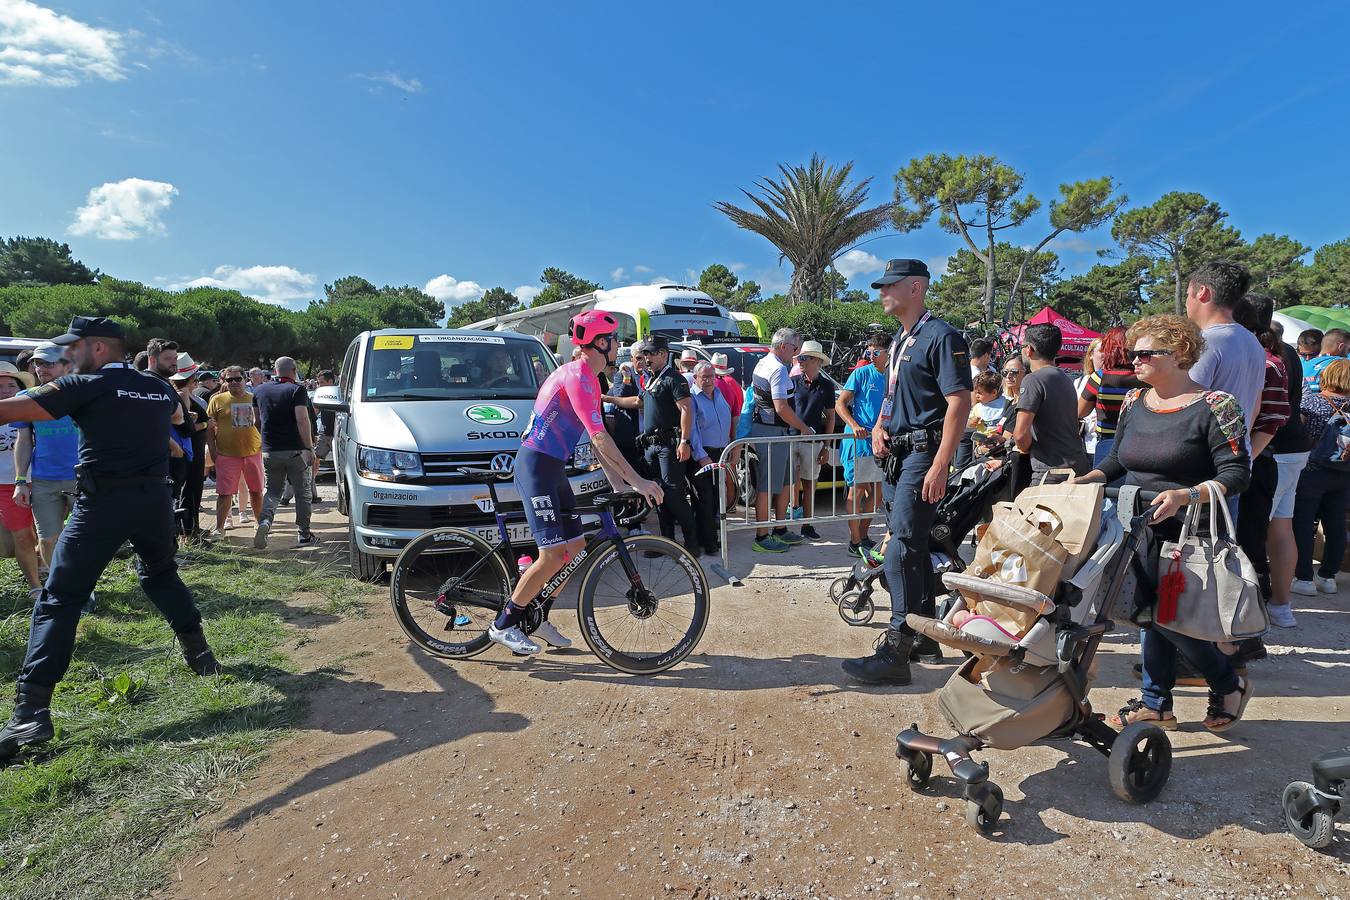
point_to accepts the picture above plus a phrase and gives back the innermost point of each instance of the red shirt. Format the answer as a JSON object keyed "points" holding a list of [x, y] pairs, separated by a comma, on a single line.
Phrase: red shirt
{"points": [[729, 388]]}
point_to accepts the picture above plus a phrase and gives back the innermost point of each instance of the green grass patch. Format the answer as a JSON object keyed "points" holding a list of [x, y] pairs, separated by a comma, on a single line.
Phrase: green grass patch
{"points": [[144, 748]]}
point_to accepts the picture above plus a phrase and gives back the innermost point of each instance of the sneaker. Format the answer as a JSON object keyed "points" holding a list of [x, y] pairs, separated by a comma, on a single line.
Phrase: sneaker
{"points": [[770, 544], [306, 540], [854, 549], [1281, 614], [513, 639], [260, 536], [1325, 585], [868, 543], [809, 532], [790, 538], [551, 635], [1306, 588]]}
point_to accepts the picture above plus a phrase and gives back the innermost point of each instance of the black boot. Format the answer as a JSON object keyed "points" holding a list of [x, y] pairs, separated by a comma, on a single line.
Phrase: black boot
{"points": [[926, 650], [198, 654], [888, 665], [31, 722]]}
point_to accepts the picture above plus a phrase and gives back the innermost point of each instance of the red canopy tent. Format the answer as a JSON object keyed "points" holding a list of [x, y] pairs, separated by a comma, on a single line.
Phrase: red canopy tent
{"points": [[1076, 337]]}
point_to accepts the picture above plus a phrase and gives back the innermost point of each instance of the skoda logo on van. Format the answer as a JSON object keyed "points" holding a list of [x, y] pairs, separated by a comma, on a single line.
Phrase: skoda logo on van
{"points": [[488, 414], [503, 462]]}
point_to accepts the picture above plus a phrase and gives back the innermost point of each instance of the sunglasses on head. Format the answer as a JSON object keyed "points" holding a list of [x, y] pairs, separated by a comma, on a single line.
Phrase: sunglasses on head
{"points": [[234, 378], [1146, 355]]}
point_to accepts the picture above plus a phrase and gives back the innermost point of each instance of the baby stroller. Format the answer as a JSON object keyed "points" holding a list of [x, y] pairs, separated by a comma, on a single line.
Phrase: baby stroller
{"points": [[1311, 810], [970, 495], [1014, 691]]}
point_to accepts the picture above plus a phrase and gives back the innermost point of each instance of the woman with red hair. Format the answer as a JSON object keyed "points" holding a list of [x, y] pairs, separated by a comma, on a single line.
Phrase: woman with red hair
{"points": [[1105, 388]]}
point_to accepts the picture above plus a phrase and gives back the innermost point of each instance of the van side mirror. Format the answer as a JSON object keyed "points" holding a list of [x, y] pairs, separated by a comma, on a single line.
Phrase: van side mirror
{"points": [[329, 398]]}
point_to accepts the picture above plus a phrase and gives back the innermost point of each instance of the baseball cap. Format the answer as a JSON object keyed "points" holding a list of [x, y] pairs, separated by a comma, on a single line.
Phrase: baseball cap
{"points": [[720, 364], [82, 327], [900, 269], [49, 352]]}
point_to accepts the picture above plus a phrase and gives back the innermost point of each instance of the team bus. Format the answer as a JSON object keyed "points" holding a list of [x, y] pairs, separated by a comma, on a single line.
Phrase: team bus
{"points": [[674, 310]]}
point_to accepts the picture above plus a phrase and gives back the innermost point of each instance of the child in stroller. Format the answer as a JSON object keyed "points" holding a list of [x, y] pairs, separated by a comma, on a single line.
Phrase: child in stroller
{"points": [[1014, 690], [971, 494]]}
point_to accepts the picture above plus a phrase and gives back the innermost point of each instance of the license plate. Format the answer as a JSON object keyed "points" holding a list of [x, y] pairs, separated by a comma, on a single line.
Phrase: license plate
{"points": [[519, 532]]}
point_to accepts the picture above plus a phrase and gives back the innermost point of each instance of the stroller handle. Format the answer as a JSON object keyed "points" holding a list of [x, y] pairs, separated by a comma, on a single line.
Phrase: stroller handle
{"points": [[1144, 496]]}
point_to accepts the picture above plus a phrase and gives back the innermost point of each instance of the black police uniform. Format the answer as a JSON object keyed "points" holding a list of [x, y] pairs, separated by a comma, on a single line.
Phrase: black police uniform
{"points": [[660, 440]]}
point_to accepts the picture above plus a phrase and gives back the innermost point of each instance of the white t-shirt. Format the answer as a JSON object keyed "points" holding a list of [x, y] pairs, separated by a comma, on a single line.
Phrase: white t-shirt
{"points": [[1234, 361], [770, 381], [990, 413], [9, 436]]}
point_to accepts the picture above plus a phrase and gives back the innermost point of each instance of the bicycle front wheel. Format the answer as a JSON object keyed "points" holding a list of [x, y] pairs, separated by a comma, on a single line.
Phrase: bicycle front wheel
{"points": [[446, 588], [648, 626]]}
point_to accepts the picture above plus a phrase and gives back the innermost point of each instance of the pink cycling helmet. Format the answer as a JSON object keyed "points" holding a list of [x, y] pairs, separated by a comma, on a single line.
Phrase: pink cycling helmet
{"points": [[588, 326]]}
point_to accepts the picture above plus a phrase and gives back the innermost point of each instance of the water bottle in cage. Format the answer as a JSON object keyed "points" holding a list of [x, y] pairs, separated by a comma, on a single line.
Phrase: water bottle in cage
{"points": [[524, 563]]}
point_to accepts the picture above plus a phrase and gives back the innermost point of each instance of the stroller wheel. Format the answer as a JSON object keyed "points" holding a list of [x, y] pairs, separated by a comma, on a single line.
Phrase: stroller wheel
{"points": [[1317, 828], [856, 609], [1140, 762], [918, 769], [984, 815], [838, 588]]}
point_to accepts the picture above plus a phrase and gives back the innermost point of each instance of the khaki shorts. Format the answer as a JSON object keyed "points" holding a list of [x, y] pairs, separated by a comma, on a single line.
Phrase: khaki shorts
{"points": [[807, 455], [52, 502]]}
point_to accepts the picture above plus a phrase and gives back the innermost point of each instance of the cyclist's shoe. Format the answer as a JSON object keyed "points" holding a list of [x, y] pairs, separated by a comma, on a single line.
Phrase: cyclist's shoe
{"points": [[770, 544], [809, 532], [790, 538], [551, 635], [513, 639], [31, 722]]}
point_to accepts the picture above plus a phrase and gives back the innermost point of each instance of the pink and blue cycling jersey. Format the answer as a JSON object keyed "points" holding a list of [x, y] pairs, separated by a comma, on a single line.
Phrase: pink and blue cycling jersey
{"points": [[567, 407]]}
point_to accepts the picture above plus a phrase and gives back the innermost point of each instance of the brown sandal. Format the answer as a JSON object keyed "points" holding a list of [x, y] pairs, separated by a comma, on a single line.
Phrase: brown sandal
{"points": [[1136, 711]]}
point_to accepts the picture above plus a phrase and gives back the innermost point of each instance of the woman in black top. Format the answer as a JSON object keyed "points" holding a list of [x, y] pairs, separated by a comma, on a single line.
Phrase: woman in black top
{"points": [[1171, 437]]}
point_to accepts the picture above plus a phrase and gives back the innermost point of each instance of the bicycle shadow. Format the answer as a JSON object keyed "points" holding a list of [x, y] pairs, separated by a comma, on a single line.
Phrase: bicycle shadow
{"points": [[414, 719]]}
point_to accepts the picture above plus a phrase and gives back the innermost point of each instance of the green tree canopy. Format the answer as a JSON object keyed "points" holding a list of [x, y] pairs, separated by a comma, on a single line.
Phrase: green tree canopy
{"points": [[958, 295], [560, 284], [39, 260], [1327, 281], [811, 214], [1104, 294], [723, 285], [1276, 261], [494, 302], [1177, 233]]}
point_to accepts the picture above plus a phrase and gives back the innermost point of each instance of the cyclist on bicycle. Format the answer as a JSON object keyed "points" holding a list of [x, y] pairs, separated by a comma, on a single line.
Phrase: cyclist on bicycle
{"points": [[567, 407]]}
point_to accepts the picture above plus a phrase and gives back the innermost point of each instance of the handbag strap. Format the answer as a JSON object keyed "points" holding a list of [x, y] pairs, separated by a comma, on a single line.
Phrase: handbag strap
{"points": [[1216, 498]]}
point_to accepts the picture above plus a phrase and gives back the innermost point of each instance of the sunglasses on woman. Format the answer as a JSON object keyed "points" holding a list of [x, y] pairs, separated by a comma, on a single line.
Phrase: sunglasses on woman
{"points": [[1011, 373], [1146, 355]]}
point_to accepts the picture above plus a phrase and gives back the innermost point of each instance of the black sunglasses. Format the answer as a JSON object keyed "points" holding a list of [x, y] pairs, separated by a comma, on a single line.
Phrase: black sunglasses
{"points": [[1146, 355], [1009, 373], [235, 378]]}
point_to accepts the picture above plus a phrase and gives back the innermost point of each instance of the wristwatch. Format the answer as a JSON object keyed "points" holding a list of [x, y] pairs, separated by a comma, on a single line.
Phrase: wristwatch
{"points": [[686, 441], [1193, 495]]}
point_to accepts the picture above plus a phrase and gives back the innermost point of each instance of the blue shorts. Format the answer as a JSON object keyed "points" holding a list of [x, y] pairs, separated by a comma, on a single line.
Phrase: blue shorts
{"points": [[547, 497]]}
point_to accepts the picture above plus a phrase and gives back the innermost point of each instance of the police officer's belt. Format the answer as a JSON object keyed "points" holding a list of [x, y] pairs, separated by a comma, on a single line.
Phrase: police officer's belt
{"points": [[660, 437], [924, 440]]}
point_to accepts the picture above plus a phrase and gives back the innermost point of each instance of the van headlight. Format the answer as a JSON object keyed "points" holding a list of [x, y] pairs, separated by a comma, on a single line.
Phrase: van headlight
{"points": [[388, 465], [583, 458]]}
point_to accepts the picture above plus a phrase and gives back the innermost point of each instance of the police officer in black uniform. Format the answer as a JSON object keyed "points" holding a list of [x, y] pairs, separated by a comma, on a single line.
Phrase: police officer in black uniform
{"points": [[921, 423], [124, 494], [667, 427]]}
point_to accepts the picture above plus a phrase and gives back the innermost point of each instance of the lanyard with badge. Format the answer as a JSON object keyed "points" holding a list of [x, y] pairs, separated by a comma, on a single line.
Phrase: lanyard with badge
{"points": [[899, 347]]}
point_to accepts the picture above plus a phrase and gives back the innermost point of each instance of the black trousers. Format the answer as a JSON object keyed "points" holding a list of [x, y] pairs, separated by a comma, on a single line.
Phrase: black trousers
{"points": [[141, 513], [673, 477], [708, 489], [1253, 519]]}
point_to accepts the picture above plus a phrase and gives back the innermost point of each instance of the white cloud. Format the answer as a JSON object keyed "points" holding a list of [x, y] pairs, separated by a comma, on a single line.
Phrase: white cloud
{"points": [[394, 80], [937, 266], [856, 262], [526, 293], [39, 46], [1073, 243], [271, 284], [451, 291], [617, 275], [124, 210], [643, 270], [664, 279]]}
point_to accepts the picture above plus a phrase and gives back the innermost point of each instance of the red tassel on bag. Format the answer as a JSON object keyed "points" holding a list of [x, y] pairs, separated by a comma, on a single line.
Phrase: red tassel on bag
{"points": [[1169, 591]]}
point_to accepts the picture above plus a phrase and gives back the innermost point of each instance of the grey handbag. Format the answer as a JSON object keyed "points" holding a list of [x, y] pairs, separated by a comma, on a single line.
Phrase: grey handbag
{"points": [[1219, 597]]}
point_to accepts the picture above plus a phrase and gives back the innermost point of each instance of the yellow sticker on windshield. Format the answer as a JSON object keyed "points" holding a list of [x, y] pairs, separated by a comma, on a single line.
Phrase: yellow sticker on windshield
{"points": [[393, 342]]}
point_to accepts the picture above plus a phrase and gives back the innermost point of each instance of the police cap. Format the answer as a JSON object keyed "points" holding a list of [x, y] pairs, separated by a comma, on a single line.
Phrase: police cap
{"points": [[82, 327], [654, 343], [899, 269]]}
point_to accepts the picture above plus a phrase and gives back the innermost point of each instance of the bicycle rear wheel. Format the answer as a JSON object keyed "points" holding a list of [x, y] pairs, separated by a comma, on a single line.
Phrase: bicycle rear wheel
{"points": [[649, 626], [446, 588]]}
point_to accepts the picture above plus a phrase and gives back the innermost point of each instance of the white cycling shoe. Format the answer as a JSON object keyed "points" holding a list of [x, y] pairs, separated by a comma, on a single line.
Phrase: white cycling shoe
{"points": [[513, 639], [551, 635]]}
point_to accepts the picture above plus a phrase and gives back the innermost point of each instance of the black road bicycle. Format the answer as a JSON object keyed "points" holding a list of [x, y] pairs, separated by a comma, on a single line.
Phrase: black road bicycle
{"points": [[642, 604]]}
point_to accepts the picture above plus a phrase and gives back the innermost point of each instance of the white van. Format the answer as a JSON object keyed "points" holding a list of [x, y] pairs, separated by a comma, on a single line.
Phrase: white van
{"points": [[415, 405]]}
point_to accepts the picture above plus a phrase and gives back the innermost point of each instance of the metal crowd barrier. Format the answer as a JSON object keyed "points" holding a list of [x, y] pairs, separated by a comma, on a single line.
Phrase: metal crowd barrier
{"points": [[768, 447]]}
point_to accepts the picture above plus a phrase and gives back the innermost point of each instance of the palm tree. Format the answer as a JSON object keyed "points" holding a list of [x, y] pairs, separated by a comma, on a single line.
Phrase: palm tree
{"points": [[809, 215]]}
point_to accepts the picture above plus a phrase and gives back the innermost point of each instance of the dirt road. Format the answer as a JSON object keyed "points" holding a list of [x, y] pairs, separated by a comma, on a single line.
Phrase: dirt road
{"points": [[754, 769]]}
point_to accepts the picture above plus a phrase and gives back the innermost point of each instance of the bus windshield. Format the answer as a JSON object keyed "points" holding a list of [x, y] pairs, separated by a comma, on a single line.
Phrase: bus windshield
{"points": [[450, 366]]}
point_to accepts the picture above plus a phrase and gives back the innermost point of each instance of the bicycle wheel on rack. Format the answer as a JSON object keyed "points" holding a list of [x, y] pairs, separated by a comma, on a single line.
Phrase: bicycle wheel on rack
{"points": [[446, 588], [649, 626]]}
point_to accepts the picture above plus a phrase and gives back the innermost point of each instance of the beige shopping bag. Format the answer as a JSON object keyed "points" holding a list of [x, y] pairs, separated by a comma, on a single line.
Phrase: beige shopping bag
{"points": [[1079, 507], [1020, 548]]}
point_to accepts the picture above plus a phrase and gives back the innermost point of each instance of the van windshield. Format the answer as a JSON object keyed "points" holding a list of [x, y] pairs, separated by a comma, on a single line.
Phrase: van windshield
{"points": [[453, 367]]}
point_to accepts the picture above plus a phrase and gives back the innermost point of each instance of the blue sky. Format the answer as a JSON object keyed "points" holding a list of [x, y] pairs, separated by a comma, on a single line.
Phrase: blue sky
{"points": [[277, 146]]}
